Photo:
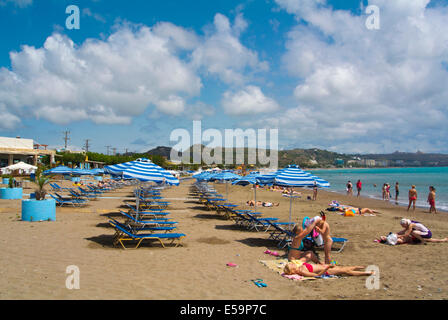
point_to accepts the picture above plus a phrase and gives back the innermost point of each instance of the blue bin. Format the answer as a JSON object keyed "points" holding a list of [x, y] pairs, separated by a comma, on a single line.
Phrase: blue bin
{"points": [[33, 177], [32, 196], [76, 179], [5, 180], [98, 178], [11, 193], [43, 210]]}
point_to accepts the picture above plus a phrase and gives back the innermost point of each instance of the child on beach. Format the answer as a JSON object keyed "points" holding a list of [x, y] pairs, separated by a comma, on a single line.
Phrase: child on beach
{"points": [[349, 188], [412, 197], [432, 199]]}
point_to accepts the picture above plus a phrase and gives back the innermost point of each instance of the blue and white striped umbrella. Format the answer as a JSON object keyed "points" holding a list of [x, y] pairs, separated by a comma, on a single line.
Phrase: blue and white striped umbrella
{"points": [[293, 176], [143, 171], [321, 183], [169, 178], [118, 169], [59, 170]]}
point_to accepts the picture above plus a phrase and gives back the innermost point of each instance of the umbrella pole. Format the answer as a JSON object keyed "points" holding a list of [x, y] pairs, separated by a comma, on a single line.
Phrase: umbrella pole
{"points": [[255, 192], [290, 208]]}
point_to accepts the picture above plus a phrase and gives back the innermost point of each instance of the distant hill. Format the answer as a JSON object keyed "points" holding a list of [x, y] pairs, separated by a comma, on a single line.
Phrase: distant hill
{"points": [[160, 151], [309, 158]]}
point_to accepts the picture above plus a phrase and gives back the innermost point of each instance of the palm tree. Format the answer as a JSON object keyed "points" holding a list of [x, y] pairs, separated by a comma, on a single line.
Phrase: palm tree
{"points": [[41, 181]]}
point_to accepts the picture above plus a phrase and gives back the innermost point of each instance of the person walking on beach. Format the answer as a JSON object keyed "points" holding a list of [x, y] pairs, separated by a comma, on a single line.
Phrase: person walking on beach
{"points": [[397, 191], [349, 188], [359, 187], [412, 197], [384, 191], [315, 191], [432, 199]]}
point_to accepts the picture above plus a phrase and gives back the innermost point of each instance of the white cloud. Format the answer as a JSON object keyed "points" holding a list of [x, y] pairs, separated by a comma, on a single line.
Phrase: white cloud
{"points": [[249, 100], [107, 81], [222, 54], [365, 87]]}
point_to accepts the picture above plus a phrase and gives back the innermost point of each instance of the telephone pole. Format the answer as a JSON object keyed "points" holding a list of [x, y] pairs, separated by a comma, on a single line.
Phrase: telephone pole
{"points": [[86, 146], [66, 138], [108, 149]]}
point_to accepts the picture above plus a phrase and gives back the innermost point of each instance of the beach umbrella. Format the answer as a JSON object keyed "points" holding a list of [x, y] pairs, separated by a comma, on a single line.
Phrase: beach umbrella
{"points": [[250, 179], [96, 171], [292, 176], [224, 176], [59, 170], [118, 169], [143, 171], [321, 183], [20, 166], [81, 172]]}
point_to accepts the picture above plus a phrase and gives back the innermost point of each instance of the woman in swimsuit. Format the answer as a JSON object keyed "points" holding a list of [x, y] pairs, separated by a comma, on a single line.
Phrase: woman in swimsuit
{"points": [[316, 270], [416, 232]]}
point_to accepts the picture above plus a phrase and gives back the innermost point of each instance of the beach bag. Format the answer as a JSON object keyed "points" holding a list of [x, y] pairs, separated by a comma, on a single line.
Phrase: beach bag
{"points": [[391, 239]]}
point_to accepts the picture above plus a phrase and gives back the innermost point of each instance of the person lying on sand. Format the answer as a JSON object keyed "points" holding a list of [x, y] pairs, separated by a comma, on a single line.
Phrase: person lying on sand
{"points": [[360, 211], [316, 270], [416, 232], [262, 204]]}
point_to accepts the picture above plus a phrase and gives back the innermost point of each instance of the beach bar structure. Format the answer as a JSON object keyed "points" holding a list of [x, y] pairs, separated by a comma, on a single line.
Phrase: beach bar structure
{"points": [[25, 150]]}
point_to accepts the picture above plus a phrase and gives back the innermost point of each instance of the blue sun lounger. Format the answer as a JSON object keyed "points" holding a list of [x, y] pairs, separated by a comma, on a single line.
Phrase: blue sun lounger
{"points": [[123, 234], [154, 221], [136, 228], [73, 202]]}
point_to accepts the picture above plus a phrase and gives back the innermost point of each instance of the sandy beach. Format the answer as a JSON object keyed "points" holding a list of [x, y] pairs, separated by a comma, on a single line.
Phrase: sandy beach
{"points": [[35, 255]]}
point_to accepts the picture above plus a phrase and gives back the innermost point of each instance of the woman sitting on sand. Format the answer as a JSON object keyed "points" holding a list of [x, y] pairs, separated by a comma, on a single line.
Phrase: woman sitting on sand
{"points": [[316, 270], [416, 232], [262, 204]]}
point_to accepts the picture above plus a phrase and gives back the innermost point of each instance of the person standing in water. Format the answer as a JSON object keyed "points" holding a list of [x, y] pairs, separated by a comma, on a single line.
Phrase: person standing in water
{"points": [[412, 197], [349, 188], [397, 191], [432, 199], [359, 187]]}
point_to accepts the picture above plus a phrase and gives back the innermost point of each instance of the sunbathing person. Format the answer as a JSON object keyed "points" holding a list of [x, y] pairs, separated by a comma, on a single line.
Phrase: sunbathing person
{"points": [[348, 210], [416, 232], [262, 204], [316, 270]]}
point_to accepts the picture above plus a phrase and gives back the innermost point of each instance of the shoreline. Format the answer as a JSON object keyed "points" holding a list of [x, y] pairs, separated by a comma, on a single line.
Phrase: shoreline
{"points": [[391, 202]]}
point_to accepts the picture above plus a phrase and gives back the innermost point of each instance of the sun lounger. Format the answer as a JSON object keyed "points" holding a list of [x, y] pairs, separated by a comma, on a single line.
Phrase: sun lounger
{"points": [[124, 234], [136, 228], [73, 202], [143, 221]]}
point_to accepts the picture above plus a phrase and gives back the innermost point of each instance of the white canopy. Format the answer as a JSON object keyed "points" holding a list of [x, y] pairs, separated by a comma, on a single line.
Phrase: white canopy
{"points": [[21, 166]]}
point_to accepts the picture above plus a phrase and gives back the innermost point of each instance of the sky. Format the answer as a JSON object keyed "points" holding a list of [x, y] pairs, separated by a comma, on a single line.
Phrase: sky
{"points": [[135, 71]]}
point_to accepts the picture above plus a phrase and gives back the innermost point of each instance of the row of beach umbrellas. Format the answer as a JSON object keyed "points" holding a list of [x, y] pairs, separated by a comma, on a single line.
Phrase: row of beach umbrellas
{"points": [[142, 169], [75, 171], [291, 176]]}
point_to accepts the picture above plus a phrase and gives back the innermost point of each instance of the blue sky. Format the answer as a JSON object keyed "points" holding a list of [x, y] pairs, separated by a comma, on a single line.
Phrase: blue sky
{"points": [[137, 70]]}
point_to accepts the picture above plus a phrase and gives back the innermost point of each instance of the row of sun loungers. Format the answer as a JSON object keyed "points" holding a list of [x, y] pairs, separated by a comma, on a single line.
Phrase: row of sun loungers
{"points": [[147, 220]]}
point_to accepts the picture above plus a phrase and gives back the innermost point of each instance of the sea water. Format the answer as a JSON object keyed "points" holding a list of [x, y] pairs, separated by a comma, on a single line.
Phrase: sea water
{"points": [[422, 178]]}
